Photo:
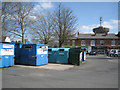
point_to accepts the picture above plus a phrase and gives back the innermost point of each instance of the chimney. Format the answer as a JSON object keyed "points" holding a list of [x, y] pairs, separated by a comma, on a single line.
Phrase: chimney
{"points": [[106, 33], [95, 32], [78, 33]]}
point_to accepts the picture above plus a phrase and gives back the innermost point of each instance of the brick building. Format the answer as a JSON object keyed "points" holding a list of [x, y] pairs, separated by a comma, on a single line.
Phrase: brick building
{"points": [[99, 41]]}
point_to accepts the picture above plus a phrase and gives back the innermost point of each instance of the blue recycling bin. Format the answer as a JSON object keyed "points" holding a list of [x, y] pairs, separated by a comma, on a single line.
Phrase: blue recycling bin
{"points": [[17, 53], [34, 54], [63, 55], [83, 55], [6, 54]]}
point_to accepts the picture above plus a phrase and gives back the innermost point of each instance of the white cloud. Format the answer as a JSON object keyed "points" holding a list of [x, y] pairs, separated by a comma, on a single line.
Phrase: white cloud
{"points": [[32, 17], [112, 24], [46, 5], [41, 6], [38, 8]]}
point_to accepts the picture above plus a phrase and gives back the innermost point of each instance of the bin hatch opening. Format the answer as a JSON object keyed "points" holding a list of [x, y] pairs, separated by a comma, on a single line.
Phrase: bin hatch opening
{"points": [[61, 49], [49, 49], [28, 47]]}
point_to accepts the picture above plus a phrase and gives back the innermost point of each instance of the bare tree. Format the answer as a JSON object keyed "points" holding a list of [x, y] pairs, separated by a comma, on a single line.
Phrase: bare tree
{"points": [[64, 24], [7, 10], [43, 28], [17, 19]]}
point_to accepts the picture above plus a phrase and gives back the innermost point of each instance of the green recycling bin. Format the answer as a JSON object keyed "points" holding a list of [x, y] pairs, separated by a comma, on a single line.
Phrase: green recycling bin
{"points": [[63, 55], [52, 55], [75, 56]]}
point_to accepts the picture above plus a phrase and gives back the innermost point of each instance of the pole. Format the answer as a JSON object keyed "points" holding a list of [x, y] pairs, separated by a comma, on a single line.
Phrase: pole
{"points": [[100, 20]]}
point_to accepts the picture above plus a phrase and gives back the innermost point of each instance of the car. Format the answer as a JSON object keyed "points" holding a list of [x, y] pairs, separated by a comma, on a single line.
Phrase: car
{"points": [[93, 53], [117, 53], [112, 51]]}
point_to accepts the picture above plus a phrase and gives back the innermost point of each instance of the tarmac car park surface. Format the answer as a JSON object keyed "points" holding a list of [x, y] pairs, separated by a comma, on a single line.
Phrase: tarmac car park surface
{"points": [[98, 71]]}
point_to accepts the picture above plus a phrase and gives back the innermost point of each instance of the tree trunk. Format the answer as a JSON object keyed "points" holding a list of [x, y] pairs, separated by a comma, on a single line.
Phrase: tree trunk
{"points": [[60, 44], [23, 33], [23, 39]]}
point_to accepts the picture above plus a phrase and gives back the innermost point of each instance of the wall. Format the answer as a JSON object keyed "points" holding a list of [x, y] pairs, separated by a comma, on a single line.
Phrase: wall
{"points": [[107, 42]]}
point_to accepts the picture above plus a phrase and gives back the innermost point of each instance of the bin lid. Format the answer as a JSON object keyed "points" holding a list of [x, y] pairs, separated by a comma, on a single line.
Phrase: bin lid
{"points": [[54, 49], [7, 42], [76, 49], [64, 49]]}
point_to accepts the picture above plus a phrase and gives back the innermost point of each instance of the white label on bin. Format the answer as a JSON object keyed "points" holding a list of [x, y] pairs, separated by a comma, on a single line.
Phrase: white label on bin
{"points": [[41, 51], [8, 46], [7, 52], [44, 52], [46, 47], [43, 47]]}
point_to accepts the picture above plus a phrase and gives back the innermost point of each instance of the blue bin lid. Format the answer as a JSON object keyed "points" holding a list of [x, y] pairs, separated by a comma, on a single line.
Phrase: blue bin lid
{"points": [[42, 44], [37, 44]]}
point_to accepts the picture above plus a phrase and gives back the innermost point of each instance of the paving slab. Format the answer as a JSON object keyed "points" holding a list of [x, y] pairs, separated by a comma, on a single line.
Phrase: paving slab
{"points": [[50, 66]]}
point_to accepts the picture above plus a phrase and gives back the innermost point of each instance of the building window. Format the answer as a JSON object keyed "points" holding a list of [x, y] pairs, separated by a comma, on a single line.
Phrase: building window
{"points": [[108, 42], [101, 42], [92, 43], [83, 43], [68, 42], [119, 42], [73, 42], [113, 43]]}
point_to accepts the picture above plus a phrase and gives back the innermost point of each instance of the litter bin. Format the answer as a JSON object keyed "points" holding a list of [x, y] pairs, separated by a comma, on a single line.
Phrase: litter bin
{"points": [[52, 55], [75, 56], [34, 54], [63, 55], [6, 54]]}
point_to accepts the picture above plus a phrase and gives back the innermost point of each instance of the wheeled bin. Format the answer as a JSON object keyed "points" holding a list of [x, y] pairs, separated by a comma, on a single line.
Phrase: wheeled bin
{"points": [[52, 55], [6, 54], [34, 54], [63, 55], [58, 55], [75, 56]]}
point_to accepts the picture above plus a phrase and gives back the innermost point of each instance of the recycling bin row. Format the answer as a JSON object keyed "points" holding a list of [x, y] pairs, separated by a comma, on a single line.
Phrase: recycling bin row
{"points": [[6, 54], [58, 55], [38, 54], [73, 56], [31, 54]]}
